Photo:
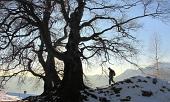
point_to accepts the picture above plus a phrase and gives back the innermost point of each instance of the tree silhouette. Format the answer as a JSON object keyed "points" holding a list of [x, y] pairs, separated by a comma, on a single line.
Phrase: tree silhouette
{"points": [[40, 31]]}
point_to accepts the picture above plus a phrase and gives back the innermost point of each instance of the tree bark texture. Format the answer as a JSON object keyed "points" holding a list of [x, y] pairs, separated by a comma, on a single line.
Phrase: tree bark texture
{"points": [[72, 81]]}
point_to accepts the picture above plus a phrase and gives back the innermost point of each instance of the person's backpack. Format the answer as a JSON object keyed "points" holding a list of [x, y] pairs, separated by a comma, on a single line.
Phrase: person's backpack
{"points": [[113, 72]]}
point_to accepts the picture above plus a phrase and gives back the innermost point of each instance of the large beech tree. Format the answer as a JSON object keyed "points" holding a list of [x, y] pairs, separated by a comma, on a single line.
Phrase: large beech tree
{"points": [[36, 33]]}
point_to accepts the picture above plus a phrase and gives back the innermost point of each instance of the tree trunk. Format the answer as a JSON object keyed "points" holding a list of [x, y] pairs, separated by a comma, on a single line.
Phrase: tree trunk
{"points": [[72, 81], [52, 79]]}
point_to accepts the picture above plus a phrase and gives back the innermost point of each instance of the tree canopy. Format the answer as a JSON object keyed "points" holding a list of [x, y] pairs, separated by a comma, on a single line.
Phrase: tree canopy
{"points": [[34, 33]]}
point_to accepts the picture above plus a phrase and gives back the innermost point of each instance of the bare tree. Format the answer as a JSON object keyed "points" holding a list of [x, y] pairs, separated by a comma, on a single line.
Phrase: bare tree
{"points": [[38, 31], [156, 42], [155, 52]]}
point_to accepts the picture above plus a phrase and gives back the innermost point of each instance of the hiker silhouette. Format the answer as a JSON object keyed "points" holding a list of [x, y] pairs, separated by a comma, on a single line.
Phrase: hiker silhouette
{"points": [[111, 74]]}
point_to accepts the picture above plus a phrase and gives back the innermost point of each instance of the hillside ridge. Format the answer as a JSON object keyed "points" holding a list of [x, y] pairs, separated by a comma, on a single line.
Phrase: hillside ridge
{"points": [[134, 89]]}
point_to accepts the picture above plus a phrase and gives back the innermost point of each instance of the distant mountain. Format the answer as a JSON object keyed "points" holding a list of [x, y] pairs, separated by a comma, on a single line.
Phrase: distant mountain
{"points": [[128, 73], [31, 85], [163, 72], [96, 80]]}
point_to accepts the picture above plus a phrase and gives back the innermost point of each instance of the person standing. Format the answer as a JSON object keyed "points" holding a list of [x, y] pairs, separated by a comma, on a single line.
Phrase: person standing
{"points": [[111, 74]]}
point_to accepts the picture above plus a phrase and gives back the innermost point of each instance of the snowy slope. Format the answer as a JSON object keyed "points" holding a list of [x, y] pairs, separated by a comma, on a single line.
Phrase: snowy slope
{"points": [[134, 89]]}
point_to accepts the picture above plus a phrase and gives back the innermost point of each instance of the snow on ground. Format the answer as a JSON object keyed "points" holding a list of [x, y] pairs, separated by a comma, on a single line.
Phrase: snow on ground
{"points": [[4, 97], [134, 89], [20, 95]]}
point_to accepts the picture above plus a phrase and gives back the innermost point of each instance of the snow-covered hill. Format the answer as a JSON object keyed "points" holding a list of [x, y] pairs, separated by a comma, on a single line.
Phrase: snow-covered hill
{"points": [[134, 89], [102, 80]]}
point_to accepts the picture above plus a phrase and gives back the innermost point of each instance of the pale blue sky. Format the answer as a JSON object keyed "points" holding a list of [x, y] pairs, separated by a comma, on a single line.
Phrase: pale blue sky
{"points": [[145, 34]]}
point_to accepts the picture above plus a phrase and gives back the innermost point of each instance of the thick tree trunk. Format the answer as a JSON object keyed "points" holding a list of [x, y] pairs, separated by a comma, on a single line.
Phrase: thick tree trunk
{"points": [[72, 81], [51, 80], [50, 84]]}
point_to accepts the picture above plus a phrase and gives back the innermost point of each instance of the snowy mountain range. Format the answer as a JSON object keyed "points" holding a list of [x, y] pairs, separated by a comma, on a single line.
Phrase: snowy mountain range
{"points": [[162, 73]]}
